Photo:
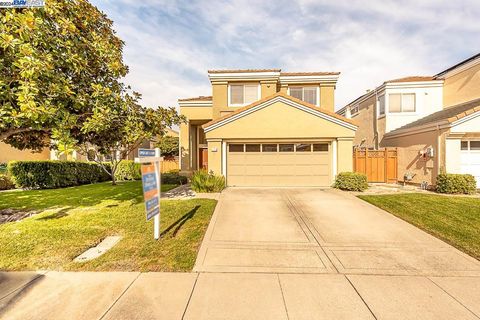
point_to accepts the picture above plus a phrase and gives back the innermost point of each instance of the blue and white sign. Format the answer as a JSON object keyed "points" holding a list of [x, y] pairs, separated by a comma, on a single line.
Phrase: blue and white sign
{"points": [[144, 153], [149, 182], [21, 3], [153, 213], [151, 204]]}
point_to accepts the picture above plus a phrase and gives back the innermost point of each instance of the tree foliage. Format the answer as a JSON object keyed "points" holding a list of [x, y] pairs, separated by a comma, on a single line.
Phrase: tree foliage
{"points": [[56, 63], [113, 133], [168, 145]]}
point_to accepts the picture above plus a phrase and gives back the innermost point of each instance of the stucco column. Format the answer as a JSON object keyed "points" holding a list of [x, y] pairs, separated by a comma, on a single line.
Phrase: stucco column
{"points": [[215, 156], [327, 96], [344, 154], [185, 147]]}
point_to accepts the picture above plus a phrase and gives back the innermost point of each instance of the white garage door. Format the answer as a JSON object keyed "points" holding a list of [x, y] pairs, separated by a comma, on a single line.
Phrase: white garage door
{"points": [[279, 164], [470, 159]]}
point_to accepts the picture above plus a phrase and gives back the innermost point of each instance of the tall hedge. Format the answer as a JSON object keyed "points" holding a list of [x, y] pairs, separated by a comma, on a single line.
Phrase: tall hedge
{"points": [[55, 174]]}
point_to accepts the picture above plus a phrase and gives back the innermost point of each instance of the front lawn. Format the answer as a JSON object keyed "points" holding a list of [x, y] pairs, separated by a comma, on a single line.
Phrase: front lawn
{"points": [[72, 220], [455, 220]]}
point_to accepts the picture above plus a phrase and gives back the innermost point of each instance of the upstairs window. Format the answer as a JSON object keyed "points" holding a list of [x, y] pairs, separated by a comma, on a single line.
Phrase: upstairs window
{"points": [[307, 94], [354, 110], [381, 105], [242, 94], [401, 102]]}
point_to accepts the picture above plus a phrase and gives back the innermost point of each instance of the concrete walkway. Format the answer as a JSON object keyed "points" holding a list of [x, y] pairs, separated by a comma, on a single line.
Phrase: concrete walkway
{"points": [[274, 254]]}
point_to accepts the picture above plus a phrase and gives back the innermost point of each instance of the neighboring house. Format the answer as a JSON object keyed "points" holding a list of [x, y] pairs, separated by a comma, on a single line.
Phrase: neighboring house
{"points": [[9, 153], [433, 121], [267, 128]]}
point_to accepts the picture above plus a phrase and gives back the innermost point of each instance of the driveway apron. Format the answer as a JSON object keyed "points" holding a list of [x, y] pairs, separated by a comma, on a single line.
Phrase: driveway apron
{"points": [[307, 230]]}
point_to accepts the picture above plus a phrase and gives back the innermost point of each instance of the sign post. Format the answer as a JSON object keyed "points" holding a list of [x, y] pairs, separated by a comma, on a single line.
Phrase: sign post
{"points": [[151, 181]]}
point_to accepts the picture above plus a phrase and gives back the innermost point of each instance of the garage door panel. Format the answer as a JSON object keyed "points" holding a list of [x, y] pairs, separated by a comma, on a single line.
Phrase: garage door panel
{"points": [[279, 169]]}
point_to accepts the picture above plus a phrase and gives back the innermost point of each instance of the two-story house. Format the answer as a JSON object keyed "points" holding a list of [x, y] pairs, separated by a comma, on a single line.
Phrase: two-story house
{"points": [[267, 128], [434, 122]]}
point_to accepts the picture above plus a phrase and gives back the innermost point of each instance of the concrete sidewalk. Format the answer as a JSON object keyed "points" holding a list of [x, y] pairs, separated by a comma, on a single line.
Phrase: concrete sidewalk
{"points": [[123, 295]]}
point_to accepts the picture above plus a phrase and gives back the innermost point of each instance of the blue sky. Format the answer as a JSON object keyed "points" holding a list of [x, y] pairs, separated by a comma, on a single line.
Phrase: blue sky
{"points": [[170, 45]]}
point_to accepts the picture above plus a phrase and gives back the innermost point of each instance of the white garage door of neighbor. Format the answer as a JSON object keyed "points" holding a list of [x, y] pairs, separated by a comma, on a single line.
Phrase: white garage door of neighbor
{"points": [[279, 164], [470, 159]]}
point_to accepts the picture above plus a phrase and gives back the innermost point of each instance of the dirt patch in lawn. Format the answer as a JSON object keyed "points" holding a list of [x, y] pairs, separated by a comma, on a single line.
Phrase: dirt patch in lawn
{"points": [[11, 215]]}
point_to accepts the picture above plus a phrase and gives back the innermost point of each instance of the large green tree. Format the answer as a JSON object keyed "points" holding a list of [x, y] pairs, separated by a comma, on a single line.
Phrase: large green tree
{"points": [[113, 133], [59, 65]]}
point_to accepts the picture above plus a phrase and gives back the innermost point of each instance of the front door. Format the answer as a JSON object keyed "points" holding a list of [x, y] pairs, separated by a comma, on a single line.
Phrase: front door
{"points": [[203, 158]]}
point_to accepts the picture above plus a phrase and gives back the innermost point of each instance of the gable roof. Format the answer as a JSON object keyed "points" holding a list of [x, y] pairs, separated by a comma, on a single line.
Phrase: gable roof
{"points": [[446, 116], [411, 79], [199, 98], [472, 58], [243, 70], [316, 73], [279, 96]]}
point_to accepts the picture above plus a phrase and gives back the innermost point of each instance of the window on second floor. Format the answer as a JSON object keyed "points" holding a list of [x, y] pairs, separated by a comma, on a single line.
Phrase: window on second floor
{"points": [[381, 105], [242, 94], [307, 94], [401, 102], [354, 110]]}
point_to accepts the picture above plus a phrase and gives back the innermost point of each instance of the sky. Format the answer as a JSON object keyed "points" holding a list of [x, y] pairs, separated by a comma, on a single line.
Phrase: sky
{"points": [[170, 45]]}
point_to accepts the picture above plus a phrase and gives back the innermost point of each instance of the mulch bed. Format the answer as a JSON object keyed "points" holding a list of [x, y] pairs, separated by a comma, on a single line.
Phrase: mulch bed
{"points": [[10, 215]]}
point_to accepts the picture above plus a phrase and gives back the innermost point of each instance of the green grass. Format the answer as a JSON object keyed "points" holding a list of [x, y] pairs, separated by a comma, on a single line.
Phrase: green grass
{"points": [[455, 220], [72, 220]]}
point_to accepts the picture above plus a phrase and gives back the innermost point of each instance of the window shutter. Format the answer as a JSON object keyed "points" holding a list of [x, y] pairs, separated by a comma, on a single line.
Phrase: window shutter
{"points": [[236, 94]]}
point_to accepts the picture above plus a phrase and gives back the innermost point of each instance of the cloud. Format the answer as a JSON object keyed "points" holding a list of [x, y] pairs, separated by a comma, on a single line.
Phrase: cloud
{"points": [[171, 44]]}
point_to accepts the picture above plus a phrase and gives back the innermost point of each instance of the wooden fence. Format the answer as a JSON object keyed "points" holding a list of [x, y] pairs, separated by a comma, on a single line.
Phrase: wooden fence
{"points": [[169, 165], [377, 165]]}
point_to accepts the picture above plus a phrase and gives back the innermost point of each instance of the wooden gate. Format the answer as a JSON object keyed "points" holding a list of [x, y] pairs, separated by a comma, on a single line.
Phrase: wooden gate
{"points": [[377, 165]]}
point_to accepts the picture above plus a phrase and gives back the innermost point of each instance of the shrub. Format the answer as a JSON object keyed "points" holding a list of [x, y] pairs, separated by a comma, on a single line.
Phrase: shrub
{"points": [[456, 183], [3, 168], [5, 182], [203, 181], [173, 178], [351, 181], [128, 170], [55, 174]]}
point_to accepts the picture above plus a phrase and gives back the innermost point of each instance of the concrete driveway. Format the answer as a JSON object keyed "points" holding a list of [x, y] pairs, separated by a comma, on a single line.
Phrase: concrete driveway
{"points": [[320, 231], [274, 254]]}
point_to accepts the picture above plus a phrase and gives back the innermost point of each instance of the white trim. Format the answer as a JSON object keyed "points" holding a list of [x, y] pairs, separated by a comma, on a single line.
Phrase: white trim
{"points": [[230, 104], [243, 76], [465, 119], [224, 159], [286, 101], [195, 103], [309, 79], [430, 126], [334, 159]]}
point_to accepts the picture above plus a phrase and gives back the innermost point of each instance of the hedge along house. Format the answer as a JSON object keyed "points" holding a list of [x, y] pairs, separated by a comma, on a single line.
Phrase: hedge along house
{"points": [[267, 128]]}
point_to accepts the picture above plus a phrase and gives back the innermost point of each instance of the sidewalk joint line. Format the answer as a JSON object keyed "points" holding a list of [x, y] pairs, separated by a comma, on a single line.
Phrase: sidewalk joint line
{"points": [[191, 295], [119, 297], [354, 288], [451, 296], [283, 296]]}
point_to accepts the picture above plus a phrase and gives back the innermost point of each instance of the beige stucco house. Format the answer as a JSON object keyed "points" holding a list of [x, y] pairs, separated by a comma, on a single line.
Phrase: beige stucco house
{"points": [[433, 121], [267, 128]]}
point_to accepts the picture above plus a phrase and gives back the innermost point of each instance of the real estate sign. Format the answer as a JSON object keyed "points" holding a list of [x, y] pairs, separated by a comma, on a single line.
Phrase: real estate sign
{"points": [[150, 190]]}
